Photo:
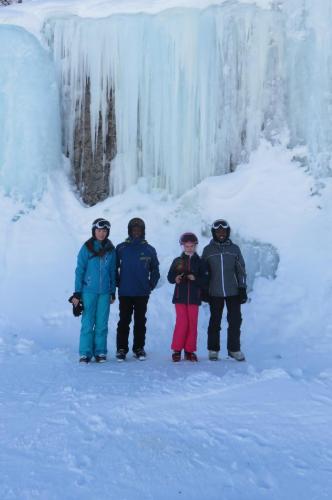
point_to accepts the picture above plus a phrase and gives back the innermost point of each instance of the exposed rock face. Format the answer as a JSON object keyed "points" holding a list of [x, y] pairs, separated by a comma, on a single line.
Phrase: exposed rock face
{"points": [[91, 166]]}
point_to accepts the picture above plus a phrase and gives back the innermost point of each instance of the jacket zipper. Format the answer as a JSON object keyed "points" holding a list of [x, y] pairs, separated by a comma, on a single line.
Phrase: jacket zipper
{"points": [[222, 274], [100, 274], [188, 279]]}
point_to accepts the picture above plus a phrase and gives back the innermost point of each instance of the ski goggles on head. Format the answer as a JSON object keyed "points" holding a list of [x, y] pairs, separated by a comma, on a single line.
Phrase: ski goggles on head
{"points": [[220, 224], [102, 224]]}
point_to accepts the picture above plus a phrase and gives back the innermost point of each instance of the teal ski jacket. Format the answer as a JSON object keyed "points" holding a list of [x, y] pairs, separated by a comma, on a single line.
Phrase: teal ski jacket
{"points": [[94, 273]]}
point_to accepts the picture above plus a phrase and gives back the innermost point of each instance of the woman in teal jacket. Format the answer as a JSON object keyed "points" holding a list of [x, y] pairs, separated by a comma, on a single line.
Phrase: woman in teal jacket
{"points": [[95, 287]]}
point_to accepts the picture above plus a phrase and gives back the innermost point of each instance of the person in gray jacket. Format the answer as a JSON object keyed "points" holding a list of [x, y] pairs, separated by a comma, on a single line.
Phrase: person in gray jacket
{"points": [[227, 284]]}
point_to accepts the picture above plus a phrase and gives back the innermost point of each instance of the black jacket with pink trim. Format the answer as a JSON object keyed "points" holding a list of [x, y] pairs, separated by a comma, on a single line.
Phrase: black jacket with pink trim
{"points": [[188, 292]]}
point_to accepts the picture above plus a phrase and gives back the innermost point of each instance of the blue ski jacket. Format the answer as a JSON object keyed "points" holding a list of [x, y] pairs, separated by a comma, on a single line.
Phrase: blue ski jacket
{"points": [[137, 268], [96, 274]]}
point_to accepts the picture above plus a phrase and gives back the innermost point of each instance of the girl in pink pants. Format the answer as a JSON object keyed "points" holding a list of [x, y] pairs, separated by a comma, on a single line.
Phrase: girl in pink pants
{"points": [[190, 275]]}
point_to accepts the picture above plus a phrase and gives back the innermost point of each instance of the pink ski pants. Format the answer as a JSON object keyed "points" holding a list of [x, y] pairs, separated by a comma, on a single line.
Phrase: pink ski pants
{"points": [[185, 330]]}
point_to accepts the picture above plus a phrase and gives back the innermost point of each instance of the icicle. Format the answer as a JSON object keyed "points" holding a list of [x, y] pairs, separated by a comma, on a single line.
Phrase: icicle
{"points": [[309, 80], [195, 90]]}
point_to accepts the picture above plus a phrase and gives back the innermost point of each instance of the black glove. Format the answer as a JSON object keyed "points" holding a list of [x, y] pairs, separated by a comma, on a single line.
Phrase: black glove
{"points": [[77, 311], [243, 295], [205, 297]]}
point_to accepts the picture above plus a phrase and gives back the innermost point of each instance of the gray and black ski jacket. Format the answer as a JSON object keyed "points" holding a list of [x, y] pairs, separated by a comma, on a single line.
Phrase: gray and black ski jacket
{"points": [[226, 267]]}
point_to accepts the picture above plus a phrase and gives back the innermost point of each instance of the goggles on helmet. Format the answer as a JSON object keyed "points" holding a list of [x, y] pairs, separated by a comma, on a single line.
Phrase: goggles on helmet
{"points": [[220, 224], [102, 224]]}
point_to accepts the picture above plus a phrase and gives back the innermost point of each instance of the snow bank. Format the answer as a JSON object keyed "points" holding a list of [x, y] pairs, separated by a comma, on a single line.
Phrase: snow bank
{"points": [[254, 430]]}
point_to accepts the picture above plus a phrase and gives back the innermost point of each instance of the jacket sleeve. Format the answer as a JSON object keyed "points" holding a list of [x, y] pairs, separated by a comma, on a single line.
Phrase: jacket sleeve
{"points": [[117, 266], [154, 270], [206, 265], [113, 272], [172, 273], [203, 275], [204, 254], [240, 270], [81, 267]]}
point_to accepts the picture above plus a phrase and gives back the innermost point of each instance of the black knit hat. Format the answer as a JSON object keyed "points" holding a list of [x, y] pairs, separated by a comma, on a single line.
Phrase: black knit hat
{"points": [[136, 222]]}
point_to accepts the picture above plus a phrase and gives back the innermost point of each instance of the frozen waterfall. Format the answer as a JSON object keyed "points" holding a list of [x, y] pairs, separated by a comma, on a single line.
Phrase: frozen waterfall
{"points": [[30, 138], [194, 90], [172, 97], [308, 79]]}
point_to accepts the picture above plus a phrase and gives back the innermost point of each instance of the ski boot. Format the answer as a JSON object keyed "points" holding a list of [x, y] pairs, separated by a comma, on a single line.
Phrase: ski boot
{"points": [[213, 355], [84, 360], [121, 355], [100, 358], [190, 356], [238, 355], [176, 356], [140, 354]]}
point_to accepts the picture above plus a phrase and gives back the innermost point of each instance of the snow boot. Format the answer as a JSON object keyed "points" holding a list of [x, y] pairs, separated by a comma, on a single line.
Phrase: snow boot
{"points": [[213, 355], [176, 356], [84, 359], [121, 355], [140, 354], [190, 356], [238, 355], [100, 358]]}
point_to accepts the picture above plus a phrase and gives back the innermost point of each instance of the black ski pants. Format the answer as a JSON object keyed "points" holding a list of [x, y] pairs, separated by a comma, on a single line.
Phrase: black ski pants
{"points": [[128, 306], [234, 319]]}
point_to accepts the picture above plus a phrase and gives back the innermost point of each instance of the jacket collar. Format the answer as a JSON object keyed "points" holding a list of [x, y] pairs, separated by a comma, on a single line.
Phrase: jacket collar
{"points": [[135, 241], [219, 244], [185, 256]]}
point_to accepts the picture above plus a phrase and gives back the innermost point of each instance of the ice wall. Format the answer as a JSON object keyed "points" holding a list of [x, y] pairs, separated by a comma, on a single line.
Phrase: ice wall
{"points": [[308, 79], [195, 90], [30, 142], [192, 88], [262, 259]]}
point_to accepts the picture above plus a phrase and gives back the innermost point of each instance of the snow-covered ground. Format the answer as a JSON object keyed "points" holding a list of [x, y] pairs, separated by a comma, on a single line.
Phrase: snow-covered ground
{"points": [[155, 430]]}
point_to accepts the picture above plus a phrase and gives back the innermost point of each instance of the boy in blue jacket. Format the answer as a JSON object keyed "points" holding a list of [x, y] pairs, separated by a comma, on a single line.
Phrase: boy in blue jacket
{"points": [[137, 276], [95, 287]]}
